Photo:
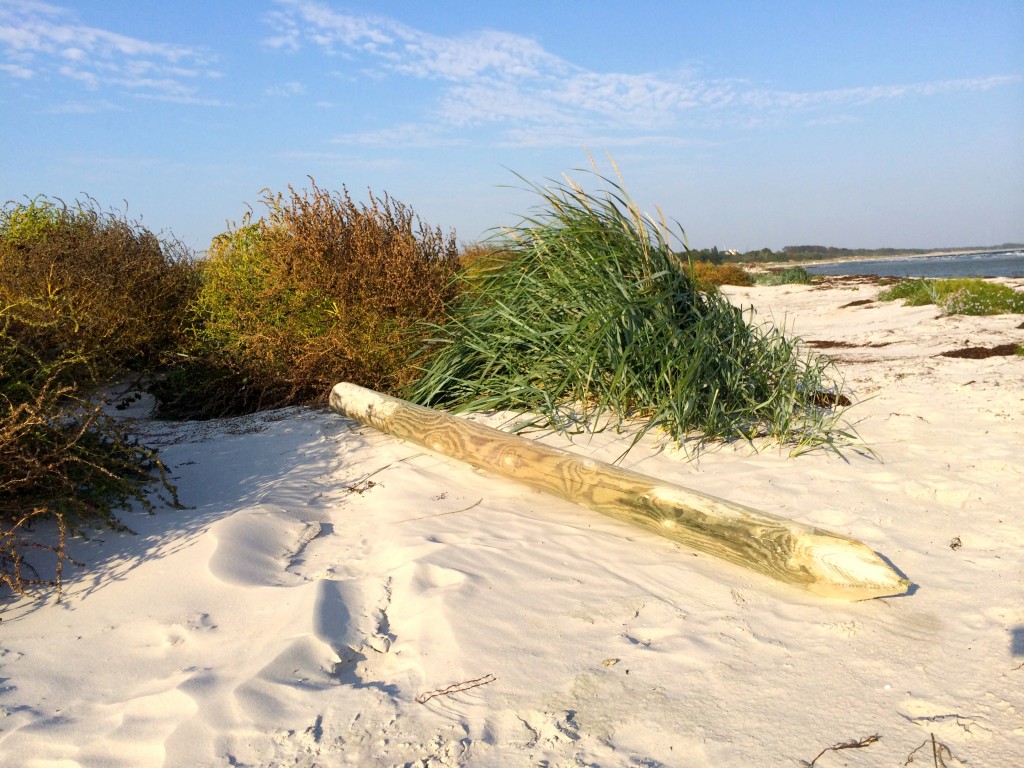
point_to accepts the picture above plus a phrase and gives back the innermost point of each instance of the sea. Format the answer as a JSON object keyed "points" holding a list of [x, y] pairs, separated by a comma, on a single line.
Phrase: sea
{"points": [[1007, 263]]}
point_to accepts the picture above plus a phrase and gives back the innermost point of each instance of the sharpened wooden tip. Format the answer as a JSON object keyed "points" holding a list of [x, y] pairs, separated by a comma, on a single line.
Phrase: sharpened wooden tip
{"points": [[814, 559]]}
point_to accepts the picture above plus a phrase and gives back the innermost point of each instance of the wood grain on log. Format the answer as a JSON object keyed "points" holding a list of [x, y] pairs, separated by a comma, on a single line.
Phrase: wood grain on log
{"points": [[820, 561]]}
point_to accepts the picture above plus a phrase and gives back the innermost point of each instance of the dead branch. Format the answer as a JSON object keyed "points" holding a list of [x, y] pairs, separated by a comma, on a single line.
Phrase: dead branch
{"points": [[423, 698], [854, 744], [939, 752]]}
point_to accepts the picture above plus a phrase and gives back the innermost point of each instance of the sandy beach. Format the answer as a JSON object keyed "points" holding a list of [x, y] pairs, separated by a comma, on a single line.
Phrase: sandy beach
{"points": [[334, 596]]}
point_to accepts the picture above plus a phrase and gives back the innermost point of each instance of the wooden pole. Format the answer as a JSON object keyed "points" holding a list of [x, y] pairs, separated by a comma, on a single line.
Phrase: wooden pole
{"points": [[823, 562]]}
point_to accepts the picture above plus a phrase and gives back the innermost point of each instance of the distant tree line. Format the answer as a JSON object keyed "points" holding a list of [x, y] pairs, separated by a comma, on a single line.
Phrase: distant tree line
{"points": [[763, 255]]}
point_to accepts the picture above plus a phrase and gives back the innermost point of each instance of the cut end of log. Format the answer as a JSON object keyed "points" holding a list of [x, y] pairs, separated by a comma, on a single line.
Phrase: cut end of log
{"points": [[848, 570], [361, 404]]}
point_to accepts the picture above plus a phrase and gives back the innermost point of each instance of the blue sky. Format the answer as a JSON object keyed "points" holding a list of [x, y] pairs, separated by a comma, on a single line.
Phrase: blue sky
{"points": [[752, 124]]}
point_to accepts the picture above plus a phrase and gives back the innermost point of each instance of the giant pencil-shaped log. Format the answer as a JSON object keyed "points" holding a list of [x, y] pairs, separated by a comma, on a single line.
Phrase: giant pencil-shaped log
{"points": [[823, 562]]}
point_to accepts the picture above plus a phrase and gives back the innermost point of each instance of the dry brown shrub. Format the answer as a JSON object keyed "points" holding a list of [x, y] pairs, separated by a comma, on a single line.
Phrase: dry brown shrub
{"points": [[61, 458], [321, 290], [706, 274], [93, 283], [84, 295], [480, 256], [378, 255]]}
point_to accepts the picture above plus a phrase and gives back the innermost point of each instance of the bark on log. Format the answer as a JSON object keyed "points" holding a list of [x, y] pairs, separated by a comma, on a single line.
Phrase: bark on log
{"points": [[820, 561]]}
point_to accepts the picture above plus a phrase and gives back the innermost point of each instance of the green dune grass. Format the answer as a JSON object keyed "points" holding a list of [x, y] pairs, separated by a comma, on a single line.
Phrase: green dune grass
{"points": [[585, 312], [958, 296]]}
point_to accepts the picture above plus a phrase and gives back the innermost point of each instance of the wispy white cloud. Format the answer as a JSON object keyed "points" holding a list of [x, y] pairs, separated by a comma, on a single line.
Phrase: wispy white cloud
{"points": [[488, 78], [291, 88], [833, 119], [405, 50], [82, 107], [542, 136], [406, 135], [348, 160], [511, 83], [17, 71], [40, 39], [853, 97]]}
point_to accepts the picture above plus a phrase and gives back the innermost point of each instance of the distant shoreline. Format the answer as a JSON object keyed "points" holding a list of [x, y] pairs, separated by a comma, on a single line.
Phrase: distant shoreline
{"points": [[909, 255]]}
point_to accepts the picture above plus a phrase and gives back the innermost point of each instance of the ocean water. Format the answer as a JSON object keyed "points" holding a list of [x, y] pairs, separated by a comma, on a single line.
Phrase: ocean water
{"points": [[987, 264]]}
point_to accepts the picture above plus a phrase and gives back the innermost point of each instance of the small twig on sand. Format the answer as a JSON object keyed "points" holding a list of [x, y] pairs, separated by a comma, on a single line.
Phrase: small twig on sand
{"points": [[855, 744], [939, 752], [423, 698], [442, 514], [361, 486]]}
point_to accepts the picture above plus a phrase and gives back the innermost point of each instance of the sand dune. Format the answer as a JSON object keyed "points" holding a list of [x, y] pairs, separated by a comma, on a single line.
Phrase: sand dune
{"points": [[333, 596]]}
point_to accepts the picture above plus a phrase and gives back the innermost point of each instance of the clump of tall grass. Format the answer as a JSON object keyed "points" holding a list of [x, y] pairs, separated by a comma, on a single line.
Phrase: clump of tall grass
{"points": [[588, 314], [320, 290], [958, 296], [787, 276]]}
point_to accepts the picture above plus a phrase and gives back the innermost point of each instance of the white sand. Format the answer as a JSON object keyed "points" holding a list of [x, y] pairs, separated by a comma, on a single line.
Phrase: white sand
{"points": [[328, 579]]}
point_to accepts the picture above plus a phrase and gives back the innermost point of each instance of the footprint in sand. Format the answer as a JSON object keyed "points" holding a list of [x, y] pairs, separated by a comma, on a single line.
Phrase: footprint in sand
{"points": [[352, 614], [843, 628], [181, 631], [349, 627], [430, 576], [256, 546], [548, 728]]}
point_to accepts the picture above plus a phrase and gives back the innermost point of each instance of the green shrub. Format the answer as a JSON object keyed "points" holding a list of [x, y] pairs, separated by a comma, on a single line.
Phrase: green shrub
{"points": [[915, 293], [93, 286], [319, 291], [958, 296], [84, 296], [61, 459], [592, 315], [708, 275], [788, 276], [978, 297]]}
